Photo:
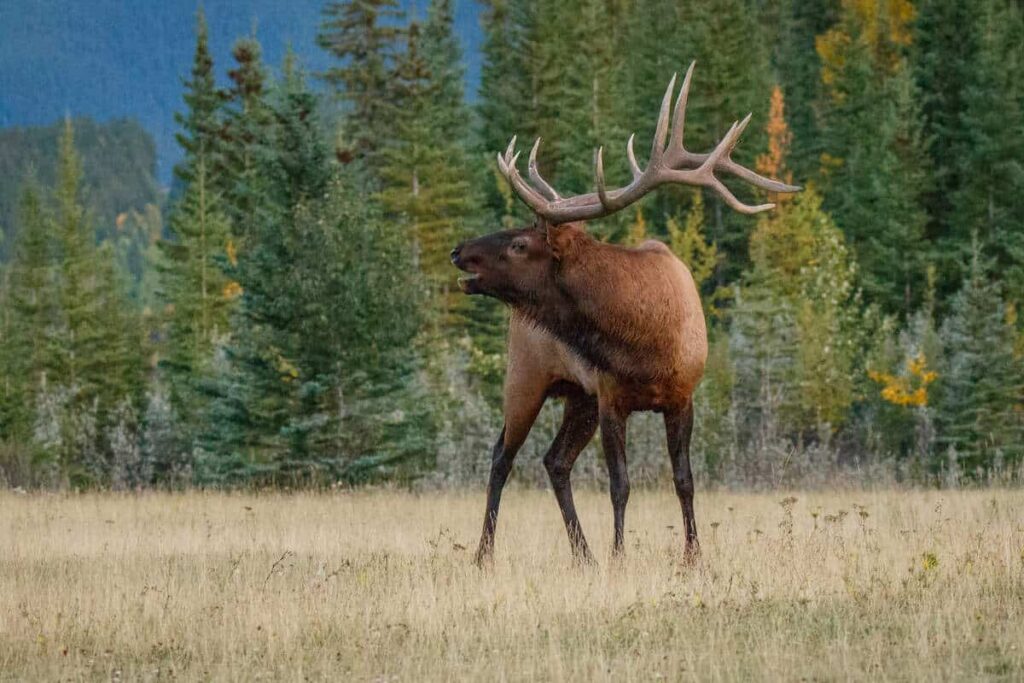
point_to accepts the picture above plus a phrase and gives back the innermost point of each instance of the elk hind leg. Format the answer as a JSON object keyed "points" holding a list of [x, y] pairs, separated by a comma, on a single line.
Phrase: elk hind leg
{"points": [[678, 429], [613, 440]]}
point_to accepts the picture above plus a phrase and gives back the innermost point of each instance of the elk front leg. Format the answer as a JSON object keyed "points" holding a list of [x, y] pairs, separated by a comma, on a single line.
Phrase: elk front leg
{"points": [[519, 418], [613, 439], [579, 422], [678, 429]]}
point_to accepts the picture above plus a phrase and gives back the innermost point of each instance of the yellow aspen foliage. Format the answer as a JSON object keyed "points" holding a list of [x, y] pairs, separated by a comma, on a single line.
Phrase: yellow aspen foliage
{"points": [[232, 290], [909, 388], [689, 244], [637, 231], [773, 162], [884, 27]]}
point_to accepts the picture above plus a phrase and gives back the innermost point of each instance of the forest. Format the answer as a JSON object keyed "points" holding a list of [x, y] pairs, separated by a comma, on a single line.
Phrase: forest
{"points": [[287, 315]]}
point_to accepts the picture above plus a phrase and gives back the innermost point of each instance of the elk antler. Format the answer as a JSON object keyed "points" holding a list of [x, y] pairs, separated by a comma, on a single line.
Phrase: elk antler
{"points": [[667, 164]]}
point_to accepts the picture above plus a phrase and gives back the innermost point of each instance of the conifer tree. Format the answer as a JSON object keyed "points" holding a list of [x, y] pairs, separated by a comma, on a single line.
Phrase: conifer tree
{"points": [[505, 87], [805, 279], [874, 167], [78, 291], [797, 69], [425, 165], [98, 340], [303, 332], [981, 378], [943, 59], [192, 279], [991, 199], [31, 315], [245, 129], [201, 122], [362, 35]]}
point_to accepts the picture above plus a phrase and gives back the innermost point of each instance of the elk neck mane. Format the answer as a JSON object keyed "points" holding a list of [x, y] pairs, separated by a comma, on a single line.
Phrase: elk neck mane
{"points": [[598, 305]]}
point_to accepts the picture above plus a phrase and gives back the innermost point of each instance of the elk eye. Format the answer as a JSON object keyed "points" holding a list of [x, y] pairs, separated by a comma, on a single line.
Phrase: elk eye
{"points": [[519, 246]]}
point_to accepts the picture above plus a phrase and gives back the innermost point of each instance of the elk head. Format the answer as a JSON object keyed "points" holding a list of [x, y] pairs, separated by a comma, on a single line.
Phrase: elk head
{"points": [[516, 265]]}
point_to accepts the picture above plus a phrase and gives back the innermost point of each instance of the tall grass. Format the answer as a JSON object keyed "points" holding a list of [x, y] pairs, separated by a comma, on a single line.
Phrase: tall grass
{"points": [[379, 585]]}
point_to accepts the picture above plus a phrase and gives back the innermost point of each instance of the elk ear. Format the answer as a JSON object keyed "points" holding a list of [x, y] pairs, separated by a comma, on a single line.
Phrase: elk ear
{"points": [[561, 239]]}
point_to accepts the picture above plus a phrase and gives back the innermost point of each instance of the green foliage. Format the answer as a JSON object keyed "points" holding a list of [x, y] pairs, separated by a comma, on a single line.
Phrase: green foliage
{"points": [[118, 167], [874, 166], [74, 342], [196, 293], [424, 172], [990, 198], [363, 37], [980, 380], [308, 340]]}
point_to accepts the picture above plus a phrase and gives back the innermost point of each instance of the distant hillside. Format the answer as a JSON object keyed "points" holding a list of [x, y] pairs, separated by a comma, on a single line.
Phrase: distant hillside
{"points": [[118, 159], [109, 59]]}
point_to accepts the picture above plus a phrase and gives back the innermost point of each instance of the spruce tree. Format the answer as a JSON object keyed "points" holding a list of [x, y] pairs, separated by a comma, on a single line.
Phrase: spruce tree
{"points": [[362, 35], [505, 87], [797, 69], [191, 276], [981, 379], [326, 287], [943, 59], [31, 316], [425, 165], [98, 340], [991, 198], [874, 166], [245, 129], [201, 121]]}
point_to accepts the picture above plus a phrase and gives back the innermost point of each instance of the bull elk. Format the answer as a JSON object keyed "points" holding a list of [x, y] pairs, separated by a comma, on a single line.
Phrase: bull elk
{"points": [[609, 329]]}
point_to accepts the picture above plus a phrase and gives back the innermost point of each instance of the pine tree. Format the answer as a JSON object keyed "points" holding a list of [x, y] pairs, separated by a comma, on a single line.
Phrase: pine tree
{"points": [[505, 87], [874, 166], [192, 279], [797, 67], [98, 340], [30, 315], [425, 164], [201, 122], [981, 378], [991, 199], [80, 336], [943, 58], [321, 279], [245, 129], [362, 36]]}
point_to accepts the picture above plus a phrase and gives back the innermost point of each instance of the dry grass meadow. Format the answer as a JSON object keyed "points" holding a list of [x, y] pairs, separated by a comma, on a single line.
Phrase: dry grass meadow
{"points": [[378, 585]]}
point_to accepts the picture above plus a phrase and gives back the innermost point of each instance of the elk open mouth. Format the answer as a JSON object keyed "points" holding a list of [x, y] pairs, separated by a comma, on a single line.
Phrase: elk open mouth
{"points": [[467, 283]]}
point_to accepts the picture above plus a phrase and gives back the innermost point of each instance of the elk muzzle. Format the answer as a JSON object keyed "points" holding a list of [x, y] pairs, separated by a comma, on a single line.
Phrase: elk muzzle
{"points": [[468, 282]]}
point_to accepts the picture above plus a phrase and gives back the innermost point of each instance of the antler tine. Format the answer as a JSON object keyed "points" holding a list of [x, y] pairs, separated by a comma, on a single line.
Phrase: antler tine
{"points": [[675, 144], [507, 166], [631, 155], [536, 178], [602, 195], [661, 131], [511, 147], [707, 170]]}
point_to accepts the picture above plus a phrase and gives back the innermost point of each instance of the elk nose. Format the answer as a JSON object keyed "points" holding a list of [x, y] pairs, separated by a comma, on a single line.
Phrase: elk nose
{"points": [[455, 253]]}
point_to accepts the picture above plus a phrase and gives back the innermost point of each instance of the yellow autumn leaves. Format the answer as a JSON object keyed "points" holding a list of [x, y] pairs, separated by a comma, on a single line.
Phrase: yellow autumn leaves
{"points": [[232, 290], [910, 389]]}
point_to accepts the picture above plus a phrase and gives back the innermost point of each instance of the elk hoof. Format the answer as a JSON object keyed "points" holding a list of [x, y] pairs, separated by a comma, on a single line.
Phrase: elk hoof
{"points": [[691, 554]]}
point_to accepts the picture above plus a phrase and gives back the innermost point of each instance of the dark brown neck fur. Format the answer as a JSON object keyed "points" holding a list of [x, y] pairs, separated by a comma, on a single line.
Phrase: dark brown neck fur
{"points": [[557, 309]]}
